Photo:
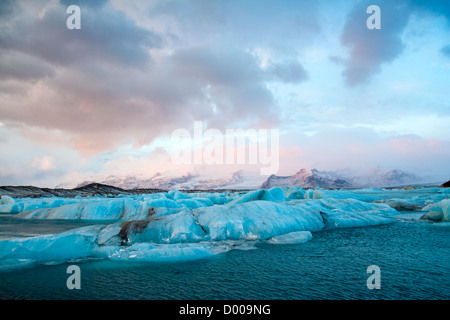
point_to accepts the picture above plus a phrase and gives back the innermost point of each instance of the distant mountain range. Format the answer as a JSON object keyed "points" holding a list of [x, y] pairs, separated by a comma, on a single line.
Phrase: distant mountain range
{"points": [[239, 180], [189, 181], [332, 180]]}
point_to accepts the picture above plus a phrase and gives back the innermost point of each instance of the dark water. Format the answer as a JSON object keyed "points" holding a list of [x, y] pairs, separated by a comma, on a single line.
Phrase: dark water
{"points": [[413, 257]]}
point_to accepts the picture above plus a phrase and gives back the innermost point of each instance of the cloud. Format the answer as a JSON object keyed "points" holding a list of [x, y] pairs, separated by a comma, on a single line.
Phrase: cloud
{"points": [[135, 72], [28, 162], [282, 26], [43, 163], [446, 51], [114, 82], [360, 149], [6, 7], [371, 49], [21, 66], [288, 71], [107, 35]]}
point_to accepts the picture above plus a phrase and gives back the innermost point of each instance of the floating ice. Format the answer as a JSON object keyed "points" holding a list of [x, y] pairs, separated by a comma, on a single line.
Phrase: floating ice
{"points": [[177, 226], [7, 200], [291, 238], [72, 244], [438, 211], [293, 193], [255, 220], [164, 203], [160, 252], [274, 194], [194, 203], [104, 209]]}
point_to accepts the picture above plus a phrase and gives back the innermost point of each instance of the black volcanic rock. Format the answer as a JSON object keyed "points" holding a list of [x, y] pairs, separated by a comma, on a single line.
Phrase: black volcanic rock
{"points": [[92, 189], [446, 184]]}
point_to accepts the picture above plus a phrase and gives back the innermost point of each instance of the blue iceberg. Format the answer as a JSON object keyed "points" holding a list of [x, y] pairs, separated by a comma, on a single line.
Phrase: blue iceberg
{"points": [[177, 226]]}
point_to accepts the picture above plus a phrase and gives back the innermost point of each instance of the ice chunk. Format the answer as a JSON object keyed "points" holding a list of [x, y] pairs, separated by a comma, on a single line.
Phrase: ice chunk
{"points": [[71, 244], [103, 209], [219, 198], [161, 252], [343, 213], [7, 200], [256, 220], [192, 203], [403, 204], [179, 227], [293, 193], [110, 235], [291, 238], [274, 194], [108, 209], [177, 195], [166, 203], [11, 208], [438, 211], [277, 194]]}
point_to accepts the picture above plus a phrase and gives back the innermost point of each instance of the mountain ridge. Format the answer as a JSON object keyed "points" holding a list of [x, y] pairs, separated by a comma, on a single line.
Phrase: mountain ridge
{"points": [[305, 178], [316, 178]]}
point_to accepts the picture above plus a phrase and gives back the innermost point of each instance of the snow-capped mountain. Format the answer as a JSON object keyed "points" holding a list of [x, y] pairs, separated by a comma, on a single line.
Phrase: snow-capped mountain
{"points": [[308, 179], [188, 181], [377, 178], [304, 178], [385, 178]]}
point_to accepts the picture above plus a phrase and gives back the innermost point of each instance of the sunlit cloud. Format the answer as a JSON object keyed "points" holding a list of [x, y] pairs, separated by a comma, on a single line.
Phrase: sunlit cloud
{"points": [[104, 100]]}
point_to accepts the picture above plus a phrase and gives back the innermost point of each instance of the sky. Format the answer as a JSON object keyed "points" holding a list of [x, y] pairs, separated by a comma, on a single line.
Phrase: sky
{"points": [[81, 104]]}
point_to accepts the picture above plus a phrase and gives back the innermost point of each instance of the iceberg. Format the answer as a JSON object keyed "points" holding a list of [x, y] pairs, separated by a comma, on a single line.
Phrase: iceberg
{"points": [[293, 193], [438, 211], [160, 252], [218, 198], [73, 244], [164, 203], [175, 226], [274, 194], [180, 227], [105, 209], [345, 213], [255, 220], [7, 200], [194, 203], [291, 238]]}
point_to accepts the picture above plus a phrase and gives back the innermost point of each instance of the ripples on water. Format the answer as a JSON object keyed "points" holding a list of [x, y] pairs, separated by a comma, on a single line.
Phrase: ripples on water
{"points": [[413, 256]]}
